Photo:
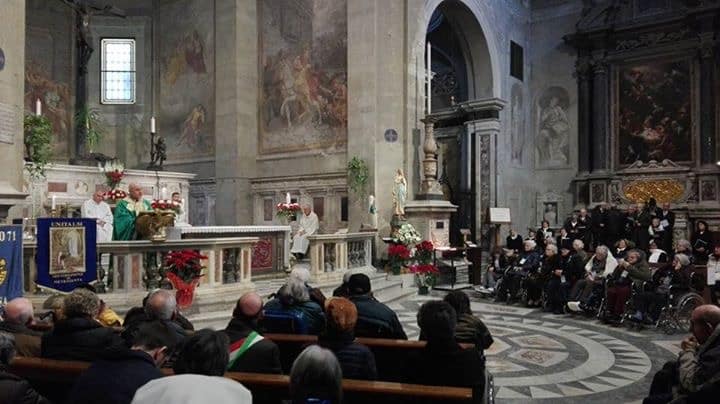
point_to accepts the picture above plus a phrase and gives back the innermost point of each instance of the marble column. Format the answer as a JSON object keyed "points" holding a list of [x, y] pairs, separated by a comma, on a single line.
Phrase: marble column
{"points": [[485, 166], [707, 103], [600, 116], [584, 81], [466, 207], [12, 105], [236, 100]]}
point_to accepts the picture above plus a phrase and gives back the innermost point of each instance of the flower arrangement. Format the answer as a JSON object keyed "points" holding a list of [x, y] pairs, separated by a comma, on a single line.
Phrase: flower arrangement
{"points": [[287, 210], [183, 269], [426, 274], [424, 251], [398, 256], [38, 144], [115, 195], [165, 204], [114, 172], [407, 235]]}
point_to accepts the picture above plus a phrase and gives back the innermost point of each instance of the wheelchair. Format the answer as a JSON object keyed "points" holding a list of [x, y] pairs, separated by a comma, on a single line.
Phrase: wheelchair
{"points": [[675, 315]]}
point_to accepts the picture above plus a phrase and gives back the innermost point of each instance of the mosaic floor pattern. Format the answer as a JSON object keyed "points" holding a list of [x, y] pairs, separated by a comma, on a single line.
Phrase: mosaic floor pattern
{"points": [[540, 357]]}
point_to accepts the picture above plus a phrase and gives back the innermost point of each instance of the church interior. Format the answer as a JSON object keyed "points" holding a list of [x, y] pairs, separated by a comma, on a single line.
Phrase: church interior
{"points": [[326, 201]]}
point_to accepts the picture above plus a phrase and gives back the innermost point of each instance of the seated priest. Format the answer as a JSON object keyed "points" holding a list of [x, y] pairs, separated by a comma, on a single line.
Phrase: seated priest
{"points": [[126, 212], [181, 219], [96, 208], [308, 225]]}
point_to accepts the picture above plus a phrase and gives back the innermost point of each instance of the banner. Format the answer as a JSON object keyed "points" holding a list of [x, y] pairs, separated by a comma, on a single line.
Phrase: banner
{"points": [[66, 253], [11, 263]]}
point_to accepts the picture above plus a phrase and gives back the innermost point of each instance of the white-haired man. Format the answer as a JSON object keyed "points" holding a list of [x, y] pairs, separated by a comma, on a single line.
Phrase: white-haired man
{"points": [[18, 316], [127, 211], [96, 208], [308, 225]]}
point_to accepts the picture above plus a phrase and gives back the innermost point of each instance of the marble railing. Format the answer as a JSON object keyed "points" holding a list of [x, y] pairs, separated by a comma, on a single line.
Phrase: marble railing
{"points": [[337, 253], [136, 264]]}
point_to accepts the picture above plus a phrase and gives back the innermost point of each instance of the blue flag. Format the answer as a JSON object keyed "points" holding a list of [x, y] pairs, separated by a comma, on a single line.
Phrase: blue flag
{"points": [[66, 251], [11, 262]]}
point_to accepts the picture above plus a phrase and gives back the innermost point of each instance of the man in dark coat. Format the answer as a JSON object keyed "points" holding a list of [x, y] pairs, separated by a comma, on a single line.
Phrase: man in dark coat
{"points": [[249, 351], [600, 224], [615, 225], [18, 316], [159, 305], [115, 378], [375, 320], [443, 362], [79, 336], [14, 390]]}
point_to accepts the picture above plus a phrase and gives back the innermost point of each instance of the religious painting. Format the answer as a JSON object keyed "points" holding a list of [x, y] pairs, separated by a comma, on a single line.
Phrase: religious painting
{"points": [[597, 192], [553, 128], [303, 67], [187, 81], [517, 126], [549, 208], [708, 190], [653, 115], [67, 250]]}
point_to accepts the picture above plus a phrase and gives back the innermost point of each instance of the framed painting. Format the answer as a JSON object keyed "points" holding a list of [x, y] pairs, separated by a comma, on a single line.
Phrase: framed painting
{"points": [[653, 112]]}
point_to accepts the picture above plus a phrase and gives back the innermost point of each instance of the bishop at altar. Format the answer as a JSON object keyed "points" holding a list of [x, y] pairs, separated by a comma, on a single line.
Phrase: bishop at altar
{"points": [[308, 225], [96, 208], [127, 211]]}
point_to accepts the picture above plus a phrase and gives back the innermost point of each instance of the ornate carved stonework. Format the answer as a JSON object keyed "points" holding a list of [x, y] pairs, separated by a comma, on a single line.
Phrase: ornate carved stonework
{"points": [[663, 190], [651, 39]]}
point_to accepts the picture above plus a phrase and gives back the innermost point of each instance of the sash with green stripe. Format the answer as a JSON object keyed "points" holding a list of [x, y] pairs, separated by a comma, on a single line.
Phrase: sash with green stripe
{"points": [[239, 347]]}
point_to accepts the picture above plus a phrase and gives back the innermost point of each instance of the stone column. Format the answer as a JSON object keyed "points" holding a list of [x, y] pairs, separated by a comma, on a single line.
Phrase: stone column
{"points": [[584, 81], [12, 80], [601, 116], [485, 138], [236, 100], [466, 208], [707, 103]]}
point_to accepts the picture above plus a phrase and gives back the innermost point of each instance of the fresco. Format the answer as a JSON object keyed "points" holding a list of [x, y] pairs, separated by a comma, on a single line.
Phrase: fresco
{"points": [[187, 82], [654, 117], [303, 59], [553, 128]]}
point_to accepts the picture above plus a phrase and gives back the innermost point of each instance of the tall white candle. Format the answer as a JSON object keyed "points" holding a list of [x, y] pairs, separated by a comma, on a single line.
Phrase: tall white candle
{"points": [[428, 91], [152, 125], [163, 193], [287, 197], [52, 205], [38, 107]]}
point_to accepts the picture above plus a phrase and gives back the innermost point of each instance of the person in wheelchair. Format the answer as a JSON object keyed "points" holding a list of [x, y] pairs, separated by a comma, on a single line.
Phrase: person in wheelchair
{"points": [[536, 280], [674, 276], [527, 262], [600, 265], [500, 260], [558, 281], [499, 269], [713, 274], [629, 273]]}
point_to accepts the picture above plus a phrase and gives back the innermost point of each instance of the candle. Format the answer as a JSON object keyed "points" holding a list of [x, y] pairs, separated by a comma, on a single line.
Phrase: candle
{"points": [[52, 205], [152, 125], [38, 107], [287, 198], [429, 78], [163, 193]]}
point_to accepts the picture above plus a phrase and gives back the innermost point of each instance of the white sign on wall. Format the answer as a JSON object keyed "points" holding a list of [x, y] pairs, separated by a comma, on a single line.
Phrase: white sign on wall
{"points": [[8, 123]]}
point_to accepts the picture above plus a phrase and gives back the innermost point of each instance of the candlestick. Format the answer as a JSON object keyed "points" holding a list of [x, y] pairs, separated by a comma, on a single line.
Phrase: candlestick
{"points": [[52, 204], [152, 125], [428, 76], [38, 107]]}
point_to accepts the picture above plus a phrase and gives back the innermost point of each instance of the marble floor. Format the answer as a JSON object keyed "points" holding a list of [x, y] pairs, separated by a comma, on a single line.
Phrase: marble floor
{"points": [[541, 357]]}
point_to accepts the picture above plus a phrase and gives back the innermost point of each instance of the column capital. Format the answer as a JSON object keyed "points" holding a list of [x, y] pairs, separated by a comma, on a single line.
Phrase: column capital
{"points": [[583, 68], [600, 66]]}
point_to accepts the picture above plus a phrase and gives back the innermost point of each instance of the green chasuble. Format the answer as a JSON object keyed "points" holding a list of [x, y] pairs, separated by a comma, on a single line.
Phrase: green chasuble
{"points": [[124, 218]]}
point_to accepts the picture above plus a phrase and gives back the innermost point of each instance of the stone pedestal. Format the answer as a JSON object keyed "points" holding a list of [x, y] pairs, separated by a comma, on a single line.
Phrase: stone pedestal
{"points": [[431, 218]]}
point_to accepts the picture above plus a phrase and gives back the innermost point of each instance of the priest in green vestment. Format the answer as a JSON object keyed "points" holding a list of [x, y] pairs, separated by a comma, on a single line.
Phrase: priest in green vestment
{"points": [[126, 211]]}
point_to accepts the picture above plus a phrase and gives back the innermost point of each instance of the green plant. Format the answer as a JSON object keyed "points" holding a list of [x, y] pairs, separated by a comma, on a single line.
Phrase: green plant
{"points": [[358, 175], [89, 119], [37, 131]]}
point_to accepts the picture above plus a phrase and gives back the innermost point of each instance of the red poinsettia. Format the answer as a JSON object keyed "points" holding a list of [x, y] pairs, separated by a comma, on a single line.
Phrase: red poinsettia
{"points": [[113, 178], [184, 264], [424, 251], [426, 274], [399, 251]]}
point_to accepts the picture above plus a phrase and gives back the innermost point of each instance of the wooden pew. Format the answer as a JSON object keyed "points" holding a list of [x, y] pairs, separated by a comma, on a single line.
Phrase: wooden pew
{"points": [[390, 354], [54, 379]]}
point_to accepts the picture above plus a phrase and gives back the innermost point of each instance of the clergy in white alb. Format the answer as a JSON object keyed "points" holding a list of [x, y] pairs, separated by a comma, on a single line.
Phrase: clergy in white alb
{"points": [[181, 217], [308, 225], [97, 209]]}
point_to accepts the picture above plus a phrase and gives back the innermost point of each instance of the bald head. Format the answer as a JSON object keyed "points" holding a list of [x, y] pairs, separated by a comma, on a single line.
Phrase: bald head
{"points": [[248, 306], [135, 191], [704, 321], [19, 311]]}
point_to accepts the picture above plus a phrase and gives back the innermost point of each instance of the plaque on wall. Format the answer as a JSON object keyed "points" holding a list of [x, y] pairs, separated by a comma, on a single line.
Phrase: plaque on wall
{"points": [[8, 123], [500, 215]]}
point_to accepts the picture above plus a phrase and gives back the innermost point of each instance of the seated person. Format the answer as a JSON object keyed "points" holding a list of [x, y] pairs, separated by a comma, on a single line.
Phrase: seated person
{"points": [[115, 378], [12, 388], [356, 360], [631, 272], [303, 275], [622, 247], [107, 316], [649, 301], [308, 224], [697, 366], [159, 305], [536, 280], [342, 290], [469, 328], [294, 297], [442, 362], [528, 261], [205, 352], [713, 274], [559, 280], [500, 260], [126, 211], [599, 266], [249, 351], [316, 377], [683, 246], [55, 306], [375, 320], [542, 234], [657, 256], [18, 316], [136, 314], [79, 336]]}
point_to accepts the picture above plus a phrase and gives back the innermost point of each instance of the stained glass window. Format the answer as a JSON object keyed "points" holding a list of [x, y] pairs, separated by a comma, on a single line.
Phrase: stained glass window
{"points": [[117, 71]]}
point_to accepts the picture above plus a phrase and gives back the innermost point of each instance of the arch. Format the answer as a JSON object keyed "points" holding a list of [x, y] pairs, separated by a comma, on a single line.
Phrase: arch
{"points": [[478, 44]]}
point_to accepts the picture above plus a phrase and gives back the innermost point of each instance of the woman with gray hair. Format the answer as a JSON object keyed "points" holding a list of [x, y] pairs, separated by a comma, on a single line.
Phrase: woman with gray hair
{"points": [[600, 265], [316, 377], [12, 388], [650, 301], [293, 300]]}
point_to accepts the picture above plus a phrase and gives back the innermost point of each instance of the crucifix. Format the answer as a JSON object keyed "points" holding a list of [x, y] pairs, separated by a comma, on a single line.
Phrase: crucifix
{"points": [[84, 10]]}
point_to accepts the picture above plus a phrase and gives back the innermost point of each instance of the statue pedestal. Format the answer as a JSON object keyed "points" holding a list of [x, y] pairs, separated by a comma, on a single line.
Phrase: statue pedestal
{"points": [[431, 218]]}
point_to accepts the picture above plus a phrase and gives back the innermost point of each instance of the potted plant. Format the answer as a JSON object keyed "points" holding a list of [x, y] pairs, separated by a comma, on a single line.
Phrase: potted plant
{"points": [[89, 121], [358, 175], [287, 211], [425, 271], [183, 270], [37, 131], [398, 256]]}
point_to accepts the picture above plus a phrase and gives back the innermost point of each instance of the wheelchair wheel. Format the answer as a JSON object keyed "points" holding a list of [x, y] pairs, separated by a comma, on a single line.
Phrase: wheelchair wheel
{"points": [[684, 309]]}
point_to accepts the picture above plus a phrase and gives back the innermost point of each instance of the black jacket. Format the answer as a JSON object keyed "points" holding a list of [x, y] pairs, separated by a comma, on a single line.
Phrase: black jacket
{"points": [[14, 390], [27, 341], [514, 243], [262, 357], [446, 364], [115, 378], [78, 338], [356, 360], [134, 322], [376, 320]]}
